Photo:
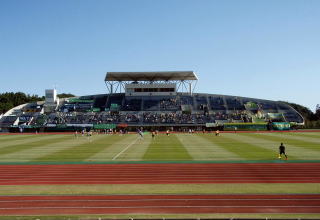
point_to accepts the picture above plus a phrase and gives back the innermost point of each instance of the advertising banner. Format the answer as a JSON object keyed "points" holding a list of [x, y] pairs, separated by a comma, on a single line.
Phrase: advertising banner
{"points": [[104, 126], [80, 125], [210, 125], [281, 126], [275, 115], [245, 126]]}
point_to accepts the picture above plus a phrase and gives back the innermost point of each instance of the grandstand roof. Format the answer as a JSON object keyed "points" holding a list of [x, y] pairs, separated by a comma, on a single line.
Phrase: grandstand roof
{"points": [[151, 76]]}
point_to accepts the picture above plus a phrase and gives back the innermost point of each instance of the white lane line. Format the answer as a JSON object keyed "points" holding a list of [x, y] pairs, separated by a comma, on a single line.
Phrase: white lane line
{"points": [[133, 142], [148, 207]]}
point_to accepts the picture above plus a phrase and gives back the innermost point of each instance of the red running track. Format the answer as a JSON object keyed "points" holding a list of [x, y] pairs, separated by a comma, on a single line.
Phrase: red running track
{"points": [[160, 173], [152, 204]]}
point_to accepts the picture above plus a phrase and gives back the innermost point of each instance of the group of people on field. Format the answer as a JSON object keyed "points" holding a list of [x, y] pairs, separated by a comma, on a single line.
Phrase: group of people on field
{"points": [[282, 149]]}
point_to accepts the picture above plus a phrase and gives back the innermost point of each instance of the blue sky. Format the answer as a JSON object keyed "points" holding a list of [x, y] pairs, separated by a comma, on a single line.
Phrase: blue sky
{"points": [[261, 49]]}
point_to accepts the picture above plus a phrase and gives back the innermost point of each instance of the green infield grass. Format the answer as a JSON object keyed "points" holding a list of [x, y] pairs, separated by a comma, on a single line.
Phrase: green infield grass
{"points": [[161, 189], [102, 148]]}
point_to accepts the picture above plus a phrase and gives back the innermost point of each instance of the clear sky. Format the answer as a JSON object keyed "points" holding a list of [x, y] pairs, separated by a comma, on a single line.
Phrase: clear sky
{"points": [[260, 49]]}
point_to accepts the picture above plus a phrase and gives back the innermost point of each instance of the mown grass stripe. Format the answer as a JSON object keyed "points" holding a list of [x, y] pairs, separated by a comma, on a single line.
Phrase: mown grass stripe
{"points": [[293, 151], [33, 139], [111, 150], [124, 150], [308, 137], [41, 153], [244, 150], [83, 150], [30, 145], [42, 148], [137, 151], [292, 141], [270, 145], [300, 138], [166, 148], [202, 149], [306, 134], [7, 138]]}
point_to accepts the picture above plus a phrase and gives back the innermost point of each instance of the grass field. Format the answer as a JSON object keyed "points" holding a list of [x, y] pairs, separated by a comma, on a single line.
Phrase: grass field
{"points": [[176, 148]]}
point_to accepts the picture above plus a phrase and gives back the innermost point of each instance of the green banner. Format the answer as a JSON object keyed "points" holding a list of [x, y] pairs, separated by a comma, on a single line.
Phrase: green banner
{"points": [[94, 110], [76, 100], [114, 107], [211, 125], [257, 120], [25, 126], [61, 126], [245, 126], [275, 115], [104, 126], [281, 126]]}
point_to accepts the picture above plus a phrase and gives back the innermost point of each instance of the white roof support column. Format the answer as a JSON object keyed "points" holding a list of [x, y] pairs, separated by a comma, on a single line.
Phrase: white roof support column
{"points": [[116, 81]]}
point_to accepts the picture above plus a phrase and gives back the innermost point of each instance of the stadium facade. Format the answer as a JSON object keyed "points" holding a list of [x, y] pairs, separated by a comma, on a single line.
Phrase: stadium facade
{"points": [[154, 101]]}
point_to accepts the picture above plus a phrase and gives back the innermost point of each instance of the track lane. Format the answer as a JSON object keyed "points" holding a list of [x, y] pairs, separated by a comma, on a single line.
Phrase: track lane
{"points": [[160, 173], [150, 204]]}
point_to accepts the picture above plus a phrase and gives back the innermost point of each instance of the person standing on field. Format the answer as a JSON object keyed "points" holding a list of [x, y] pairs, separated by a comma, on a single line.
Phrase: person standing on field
{"points": [[140, 133], [282, 150]]}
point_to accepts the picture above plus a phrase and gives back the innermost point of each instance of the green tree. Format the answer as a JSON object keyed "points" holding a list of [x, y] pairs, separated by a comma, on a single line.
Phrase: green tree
{"points": [[5, 106], [65, 95], [9, 100], [304, 111]]}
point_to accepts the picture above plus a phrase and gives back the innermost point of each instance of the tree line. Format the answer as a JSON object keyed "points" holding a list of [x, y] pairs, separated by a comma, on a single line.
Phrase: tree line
{"points": [[312, 120], [9, 100]]}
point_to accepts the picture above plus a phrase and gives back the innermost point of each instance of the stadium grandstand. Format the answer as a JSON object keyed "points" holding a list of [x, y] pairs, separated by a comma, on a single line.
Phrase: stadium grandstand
{"points": [[154, 101]]}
